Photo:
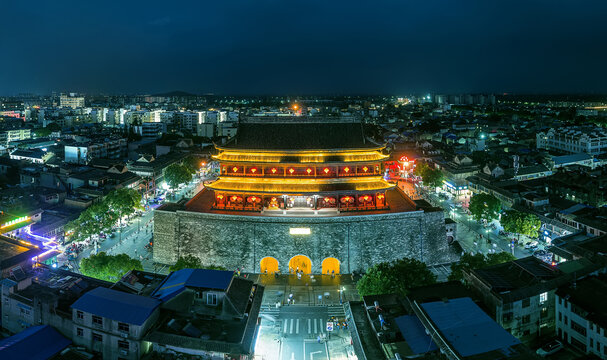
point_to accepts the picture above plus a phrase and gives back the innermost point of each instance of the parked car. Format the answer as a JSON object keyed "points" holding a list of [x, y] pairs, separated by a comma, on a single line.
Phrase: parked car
{"points": [[531, 245], [550, 348]]}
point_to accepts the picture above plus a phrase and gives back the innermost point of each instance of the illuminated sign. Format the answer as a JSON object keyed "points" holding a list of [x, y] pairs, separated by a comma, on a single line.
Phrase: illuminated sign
{"points": [[16, 221], [299, 231]]}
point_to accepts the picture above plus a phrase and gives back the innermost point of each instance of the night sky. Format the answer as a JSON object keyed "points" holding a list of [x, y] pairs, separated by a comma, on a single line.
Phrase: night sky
{"points": [[257, 47]]}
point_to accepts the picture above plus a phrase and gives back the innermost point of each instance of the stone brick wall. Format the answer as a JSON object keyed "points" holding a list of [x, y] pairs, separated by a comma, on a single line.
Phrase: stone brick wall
{"points": [[358, 242]]}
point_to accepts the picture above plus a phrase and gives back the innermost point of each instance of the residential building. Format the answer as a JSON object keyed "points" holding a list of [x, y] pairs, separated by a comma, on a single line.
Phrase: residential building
{"points": [[581, 315], [11, 135], [520, 294], [36, 156], [113, 322], [587, 139], [71, 101], [83, 153], [573, 159]]}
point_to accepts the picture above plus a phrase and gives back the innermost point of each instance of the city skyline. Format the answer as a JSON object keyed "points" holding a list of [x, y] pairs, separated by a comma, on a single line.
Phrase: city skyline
{"points": [[316, 48]]}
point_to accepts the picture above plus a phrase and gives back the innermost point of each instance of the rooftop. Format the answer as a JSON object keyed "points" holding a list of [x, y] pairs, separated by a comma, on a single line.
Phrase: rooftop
{"points": [[299, 133], [179, 280], [36, 342], [467, 329], [117, 305], [589, 294]]}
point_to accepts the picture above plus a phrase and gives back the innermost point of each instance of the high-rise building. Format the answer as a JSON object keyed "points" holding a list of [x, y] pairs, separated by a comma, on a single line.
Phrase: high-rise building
{"points": [[71, 101]]}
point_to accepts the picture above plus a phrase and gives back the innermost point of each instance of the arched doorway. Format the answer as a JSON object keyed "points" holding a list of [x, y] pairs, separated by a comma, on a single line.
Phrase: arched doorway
{"points": [[268, 265], [301, 263], [330, 266]]}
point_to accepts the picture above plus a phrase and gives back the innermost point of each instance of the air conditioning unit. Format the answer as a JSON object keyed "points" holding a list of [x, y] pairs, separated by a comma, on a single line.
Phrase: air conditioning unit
{"points": [[123, 352], [124, 335]]}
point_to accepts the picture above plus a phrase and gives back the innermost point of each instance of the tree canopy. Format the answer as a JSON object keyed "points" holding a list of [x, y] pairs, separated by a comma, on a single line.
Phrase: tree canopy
{"points": [[485, 207], [477, 261], [102, 216], [42, 132], [431, 176], [108, 267], [521, 223], [395, 277], [177, 174], [192, 262]]}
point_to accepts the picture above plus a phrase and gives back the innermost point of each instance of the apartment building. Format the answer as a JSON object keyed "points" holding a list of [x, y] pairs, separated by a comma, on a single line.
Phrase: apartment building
{"points": [[578, 139]]}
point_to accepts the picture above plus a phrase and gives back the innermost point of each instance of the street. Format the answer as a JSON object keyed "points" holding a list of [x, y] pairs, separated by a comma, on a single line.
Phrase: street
{"points": [[133, 238]]}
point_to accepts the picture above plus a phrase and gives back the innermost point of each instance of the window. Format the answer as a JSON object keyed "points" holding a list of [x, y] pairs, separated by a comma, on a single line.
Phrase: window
{"points": [[565, 319], [123, 344], [80, 332], [97, 320], [591, 342], [526, 303], [211, 299], [97, 337], [526, 319], [123, 327], [543, 297], [80, 315], [579, 328], [560, 316]]}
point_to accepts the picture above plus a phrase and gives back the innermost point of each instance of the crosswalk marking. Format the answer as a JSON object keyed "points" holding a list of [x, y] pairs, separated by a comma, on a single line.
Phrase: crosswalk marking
{"points": [[291, 330], [315, 326], [321, 326], [309, 326], [286, 323], [297, 327]]}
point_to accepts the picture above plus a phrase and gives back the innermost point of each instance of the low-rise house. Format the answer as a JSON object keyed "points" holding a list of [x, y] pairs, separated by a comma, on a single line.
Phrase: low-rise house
{"points": [[520, 294], [113, 323], [582, 316]]}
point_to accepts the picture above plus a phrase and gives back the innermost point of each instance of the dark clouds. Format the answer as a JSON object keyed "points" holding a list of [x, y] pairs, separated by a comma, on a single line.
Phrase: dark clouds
{"points": [[303, 47]]}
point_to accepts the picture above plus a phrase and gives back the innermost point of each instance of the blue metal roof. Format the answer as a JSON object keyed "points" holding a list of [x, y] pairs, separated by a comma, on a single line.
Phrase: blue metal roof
{"points": [[467, 328], [36, 342], [415, 334], [565, 159], [177, 281], [117, 305]]}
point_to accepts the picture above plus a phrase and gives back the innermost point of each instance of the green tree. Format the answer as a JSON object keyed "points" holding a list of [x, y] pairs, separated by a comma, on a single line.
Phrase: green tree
{"points": [[42, 132], [521, 223], [395, 277], [484, 207], [431, 176], [477, 261], [192, 262], [102, 216], [192, 163], [53, 126], [108, 267], [177, 174]]}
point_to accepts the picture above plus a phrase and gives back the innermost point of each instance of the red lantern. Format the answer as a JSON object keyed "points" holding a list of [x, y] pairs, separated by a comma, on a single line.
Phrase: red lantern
{"points": [[308, 170], [253, 199], [273, 170], [234, 169], [366, 197], [234, 198], [291, 171], [326, 170]]}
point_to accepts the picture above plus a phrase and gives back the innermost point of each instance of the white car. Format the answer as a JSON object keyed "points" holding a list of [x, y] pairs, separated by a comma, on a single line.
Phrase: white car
{"points": [[550, 348]]}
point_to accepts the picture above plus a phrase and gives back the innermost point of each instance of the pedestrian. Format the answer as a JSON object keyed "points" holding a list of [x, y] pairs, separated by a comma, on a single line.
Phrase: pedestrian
{"points": [[317, 338]]}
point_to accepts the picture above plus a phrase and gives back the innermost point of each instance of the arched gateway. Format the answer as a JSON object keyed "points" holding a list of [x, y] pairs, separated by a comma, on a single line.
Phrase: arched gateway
{"points": [[268, 265], [300, 263], [330, 266]]}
